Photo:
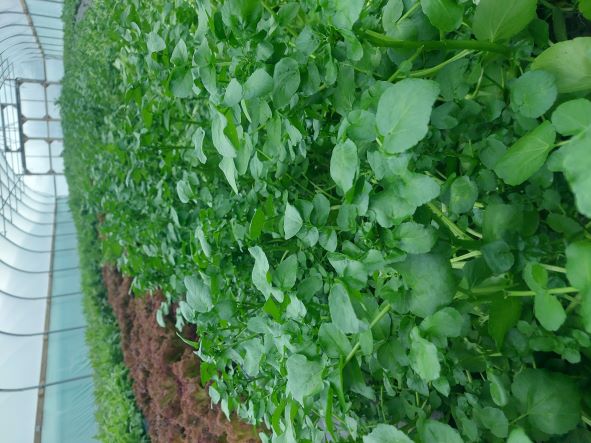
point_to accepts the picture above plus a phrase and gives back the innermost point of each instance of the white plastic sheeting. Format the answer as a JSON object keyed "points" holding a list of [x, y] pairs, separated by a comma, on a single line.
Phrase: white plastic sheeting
{"points": [[41, 320]]}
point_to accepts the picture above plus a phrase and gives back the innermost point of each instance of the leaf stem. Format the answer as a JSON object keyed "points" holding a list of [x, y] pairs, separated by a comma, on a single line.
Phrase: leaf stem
{"points": [[386, 41], [466, 256], [382, 312], [432, 70], [553, 268], [566, 290], [443, 219]]}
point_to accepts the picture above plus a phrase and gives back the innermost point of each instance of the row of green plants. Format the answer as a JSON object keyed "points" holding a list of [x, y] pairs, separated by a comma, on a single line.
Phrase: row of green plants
{"points": [[374, 213], [117, 416]]}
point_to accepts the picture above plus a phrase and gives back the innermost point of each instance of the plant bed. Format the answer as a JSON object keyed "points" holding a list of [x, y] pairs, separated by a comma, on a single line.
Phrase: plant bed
{"points": [[165, 373]]}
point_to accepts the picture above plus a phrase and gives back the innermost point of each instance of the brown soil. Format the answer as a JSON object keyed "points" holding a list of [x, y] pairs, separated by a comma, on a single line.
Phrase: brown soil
{"points": [[165, 374]]}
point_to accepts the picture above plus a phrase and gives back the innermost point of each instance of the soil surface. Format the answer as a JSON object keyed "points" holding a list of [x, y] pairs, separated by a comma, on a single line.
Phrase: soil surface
{"points": [[165, 373]]}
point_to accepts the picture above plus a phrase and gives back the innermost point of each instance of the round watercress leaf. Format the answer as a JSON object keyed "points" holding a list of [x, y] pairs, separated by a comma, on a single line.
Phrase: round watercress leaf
{"points": [[446, 322], [181, 83], [292, 221], [155, 42], [423, 358], [403, 113], [431, 281], [503, 315], [536, 277], [494, 420], [432, 431], [518, 435], [179, 54], [391, 13], [551, 401], [304, 378], [334, 342], [570, 64], [533, 93], [574, 160], [259, 84], [578, 264], [286, 272], [386, 434], [415, 238], [286, 81], [341, 310], [362, 125], [549, 311], [463, 193], [343, 13], [498, 393], [183, 189], [572, 117], [527, 155], [498, 256], [198, 294], [497, 20], [233, 93], [344, 163], [445, 15]]}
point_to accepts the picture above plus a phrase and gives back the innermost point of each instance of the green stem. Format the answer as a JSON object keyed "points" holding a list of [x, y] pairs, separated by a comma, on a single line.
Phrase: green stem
{"points": [[385, 41], [429, 71], [382, 312], [566, 290], [466, 256], [553, 268], [412, 9], [442, 218]]}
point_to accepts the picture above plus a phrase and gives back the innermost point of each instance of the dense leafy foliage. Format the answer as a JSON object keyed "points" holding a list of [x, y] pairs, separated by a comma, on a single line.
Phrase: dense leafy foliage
{"points": [[375, 213], [117, 416]]}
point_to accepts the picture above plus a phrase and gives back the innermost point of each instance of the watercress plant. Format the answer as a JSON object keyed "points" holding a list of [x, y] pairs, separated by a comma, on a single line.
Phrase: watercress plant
{"points": [[374, 213]]}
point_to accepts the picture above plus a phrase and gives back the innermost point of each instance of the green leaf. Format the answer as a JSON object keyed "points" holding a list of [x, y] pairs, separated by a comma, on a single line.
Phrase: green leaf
{"points": [[463, 193], [403, 113], [494, 420], [415, 238], [183, 189], [233, 93], [498, 256], [572, 117], [286, 81], [321, 210], [256, 224], [578, 264], [259, 84], [536, 277], [527, 155], [304, 378], [503, 315], [205, 247], [497, 20], [533, 93], [155, 42], [386, 434], [431, 281], [391, 12], [334, 342], [446, 322], [181, 83], [569, 63], [574, 160], [549, 311], [550, 400], [260, 272], [341, 310], [229, 169], [221, 141], [498, 392], [292, 221], [423, 358], [344, 13], [585, 8], [518, 435], [445, 15], [198, 294], [179, 54], [197, 140], [287, 272], [432, 431], [344, 164]]}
